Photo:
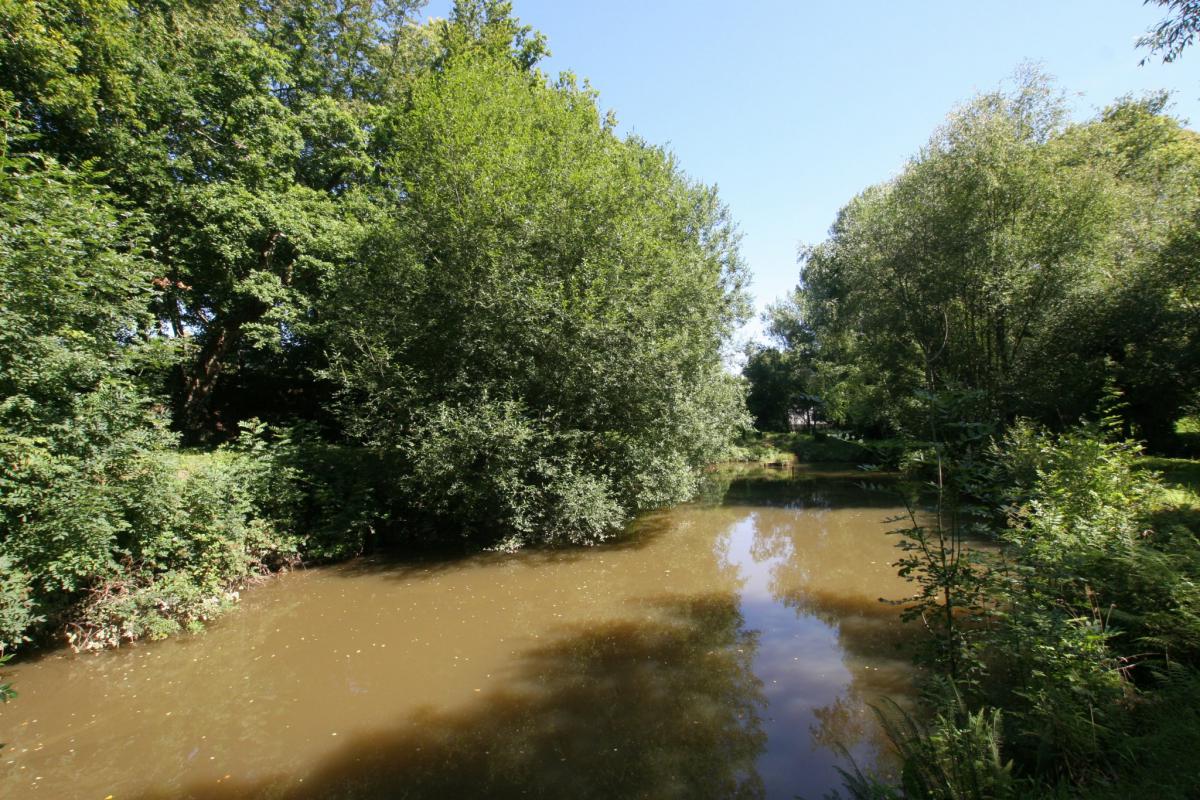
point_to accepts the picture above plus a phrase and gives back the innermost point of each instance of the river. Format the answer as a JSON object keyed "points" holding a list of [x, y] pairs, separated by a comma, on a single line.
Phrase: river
{"points": [[723, 648]]}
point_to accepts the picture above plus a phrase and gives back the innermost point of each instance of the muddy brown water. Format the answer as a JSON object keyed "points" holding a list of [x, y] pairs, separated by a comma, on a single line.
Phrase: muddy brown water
{"points": [[720, 649]]}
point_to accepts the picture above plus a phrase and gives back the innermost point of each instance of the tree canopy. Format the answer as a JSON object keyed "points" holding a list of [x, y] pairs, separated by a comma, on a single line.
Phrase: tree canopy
{"points": [[466, 307], [1022, 261]]}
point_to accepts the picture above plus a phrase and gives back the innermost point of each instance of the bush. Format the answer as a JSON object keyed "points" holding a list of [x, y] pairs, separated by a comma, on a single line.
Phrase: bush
{"points": [[343, 499], [1081, 627], [118, 535], [955, 756], [16, 605], [536, 328], [489, 470]]}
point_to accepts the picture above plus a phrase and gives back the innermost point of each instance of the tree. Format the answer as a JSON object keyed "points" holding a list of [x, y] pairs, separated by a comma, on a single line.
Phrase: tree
{"points": [[1133, 319], [1018, 260], [781, 374], [1176, 32], [100, 524], [538, 324], [239, 130], [508, 321]]}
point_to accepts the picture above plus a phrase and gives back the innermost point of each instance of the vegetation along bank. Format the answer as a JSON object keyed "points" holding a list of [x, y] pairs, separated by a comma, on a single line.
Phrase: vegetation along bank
{"points": [[290, 282], [1012, 322]]}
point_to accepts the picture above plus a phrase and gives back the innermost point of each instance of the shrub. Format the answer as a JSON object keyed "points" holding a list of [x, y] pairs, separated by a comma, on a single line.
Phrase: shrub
{"points": [[1077, 625], [955, 756], [120, 536], [16, 605], [489, 470]]}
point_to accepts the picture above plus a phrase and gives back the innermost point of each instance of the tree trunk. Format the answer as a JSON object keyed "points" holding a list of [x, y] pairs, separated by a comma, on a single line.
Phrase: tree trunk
{"points": [[220, 337], [200, 379]]}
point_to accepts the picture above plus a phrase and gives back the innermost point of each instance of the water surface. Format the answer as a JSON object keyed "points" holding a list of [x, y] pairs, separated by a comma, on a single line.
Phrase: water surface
{"points": [[722, 649]]}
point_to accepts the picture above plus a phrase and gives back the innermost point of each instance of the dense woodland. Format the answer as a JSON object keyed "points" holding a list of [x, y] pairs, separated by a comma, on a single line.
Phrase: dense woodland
{"points": [[285, 282], [291, 280]]}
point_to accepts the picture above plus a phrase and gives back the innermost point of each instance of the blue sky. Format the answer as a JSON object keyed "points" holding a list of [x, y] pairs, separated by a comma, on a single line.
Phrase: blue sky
{"points": [[792, 108]]}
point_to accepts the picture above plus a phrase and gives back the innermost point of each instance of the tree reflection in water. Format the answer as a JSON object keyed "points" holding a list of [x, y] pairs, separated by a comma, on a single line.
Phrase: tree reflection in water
{"points": [[815, 562], [667, 707], [723, 649]]}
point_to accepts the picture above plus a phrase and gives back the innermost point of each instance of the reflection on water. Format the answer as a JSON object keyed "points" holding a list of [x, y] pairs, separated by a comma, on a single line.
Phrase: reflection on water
{"points": [[719, 650]]}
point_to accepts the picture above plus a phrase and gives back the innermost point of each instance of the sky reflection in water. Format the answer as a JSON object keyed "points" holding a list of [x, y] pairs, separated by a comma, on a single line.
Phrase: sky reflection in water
{"points": [[720, 650]]}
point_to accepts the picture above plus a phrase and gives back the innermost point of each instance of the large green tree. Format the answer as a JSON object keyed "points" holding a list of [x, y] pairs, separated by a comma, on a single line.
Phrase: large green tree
{"points": [[780, 375], [238, 129], [542, 279], [99, 521], [509, 319], [1021, 261]]}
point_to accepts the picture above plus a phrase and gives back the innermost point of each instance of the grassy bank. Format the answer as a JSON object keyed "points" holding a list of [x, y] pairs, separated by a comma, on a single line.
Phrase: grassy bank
{"points": [[820, 447]]}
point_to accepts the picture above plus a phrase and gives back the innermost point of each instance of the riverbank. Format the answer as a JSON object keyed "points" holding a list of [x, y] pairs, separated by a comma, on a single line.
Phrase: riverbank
{"points": [[724, 646], [819, 447]]}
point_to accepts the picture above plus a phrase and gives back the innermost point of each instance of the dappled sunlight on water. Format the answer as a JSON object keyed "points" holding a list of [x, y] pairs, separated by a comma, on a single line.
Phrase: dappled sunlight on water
{"points": [[719, 650]]}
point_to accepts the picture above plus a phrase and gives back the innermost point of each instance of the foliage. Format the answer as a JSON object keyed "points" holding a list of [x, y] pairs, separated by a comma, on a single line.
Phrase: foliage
{"points": [[955, 756], [937, 557], [1016, 277], [760, 448], [102, 523], [16, 606], [1021, 259], [1175, 33], [1090, 528], [463, 305], [780, 376], [536, 327], [126, 539], [6, 691], [1078, 626], [74, 287], [341, 499], [237, 129], [488, 468], [939, 531], [773, 392], [1158, 738], [1020, 273]]}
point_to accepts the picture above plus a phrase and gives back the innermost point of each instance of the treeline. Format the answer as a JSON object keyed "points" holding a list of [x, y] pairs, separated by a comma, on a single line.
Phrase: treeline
{"points": [[1019, 260], [385, 281], [1018, 310]]}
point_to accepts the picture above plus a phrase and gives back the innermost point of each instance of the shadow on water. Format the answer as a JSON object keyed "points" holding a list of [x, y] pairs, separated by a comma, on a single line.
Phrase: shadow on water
{"points": [[794, 486], [822, 486], [866, 628], [409, 565], [724, 651], [663, 707]]}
